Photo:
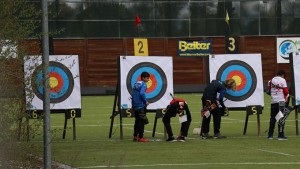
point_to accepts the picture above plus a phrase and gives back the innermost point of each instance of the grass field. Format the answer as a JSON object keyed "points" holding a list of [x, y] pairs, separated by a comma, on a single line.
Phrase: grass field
{"points": [[93, 148]]}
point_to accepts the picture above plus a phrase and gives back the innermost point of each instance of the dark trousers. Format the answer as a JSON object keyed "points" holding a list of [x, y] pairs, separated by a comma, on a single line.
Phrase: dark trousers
{"points": [[216, 118], [184, 126], [274, 110], [139, 124]]}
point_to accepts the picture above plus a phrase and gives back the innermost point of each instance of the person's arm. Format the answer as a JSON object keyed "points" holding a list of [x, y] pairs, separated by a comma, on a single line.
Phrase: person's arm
{"points": [[269, 87], [285, 92], [221, 97], [143, 93]]}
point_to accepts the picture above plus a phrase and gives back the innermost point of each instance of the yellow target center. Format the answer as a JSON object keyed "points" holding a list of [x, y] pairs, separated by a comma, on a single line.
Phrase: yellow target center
{"points": [[149, 83], [53, 82], [237, 80]]}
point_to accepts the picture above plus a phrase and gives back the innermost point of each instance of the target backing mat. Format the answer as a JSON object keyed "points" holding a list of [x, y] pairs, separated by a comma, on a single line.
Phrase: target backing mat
{"points": [[246, 70], [64, 82], [159, 86]]}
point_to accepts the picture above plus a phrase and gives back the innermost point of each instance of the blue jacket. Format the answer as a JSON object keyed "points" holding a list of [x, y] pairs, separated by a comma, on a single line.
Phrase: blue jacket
{"points": [[139, 95], [211, 90]]}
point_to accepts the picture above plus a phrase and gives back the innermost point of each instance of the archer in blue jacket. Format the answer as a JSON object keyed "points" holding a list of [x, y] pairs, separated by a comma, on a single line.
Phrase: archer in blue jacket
{"points": [[139, 105]]}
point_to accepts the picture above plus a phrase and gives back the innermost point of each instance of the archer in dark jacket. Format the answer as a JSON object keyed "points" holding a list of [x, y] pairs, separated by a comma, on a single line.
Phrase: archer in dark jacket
{"points": [[177, 106], [210, 105]]}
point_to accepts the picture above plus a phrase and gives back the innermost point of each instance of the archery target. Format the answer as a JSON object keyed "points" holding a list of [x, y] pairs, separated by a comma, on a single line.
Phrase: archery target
{"points": [[160, 83], [246, 70], [61, 82], [244, 76], [64, 82], [157, 85]]}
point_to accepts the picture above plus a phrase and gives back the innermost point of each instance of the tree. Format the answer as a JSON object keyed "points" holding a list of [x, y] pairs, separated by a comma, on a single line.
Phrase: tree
{"points": [[19, 21]]}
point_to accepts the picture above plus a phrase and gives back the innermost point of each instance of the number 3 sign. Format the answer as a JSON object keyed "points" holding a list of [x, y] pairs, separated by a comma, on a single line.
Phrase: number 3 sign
{"points": [[140, 47], [232, 45]]}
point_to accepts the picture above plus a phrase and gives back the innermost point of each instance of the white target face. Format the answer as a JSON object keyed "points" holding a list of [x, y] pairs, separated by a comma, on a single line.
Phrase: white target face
{"points": [[64, 82], [159, 86], [246, 70]]}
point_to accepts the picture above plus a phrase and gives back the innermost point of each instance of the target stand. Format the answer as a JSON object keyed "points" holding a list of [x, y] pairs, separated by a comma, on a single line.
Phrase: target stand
{"points": [[129, 113], [159, 86], [64, 88], [253, 110], [69, 114]]}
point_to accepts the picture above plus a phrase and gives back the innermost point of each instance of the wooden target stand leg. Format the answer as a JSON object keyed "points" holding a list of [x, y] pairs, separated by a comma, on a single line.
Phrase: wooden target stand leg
{"points": [[250, 110], [114, 112], [67, 117], [27, 127], [159, 114], [246, 124], [154, 126], [117, 111], [65, 128]]}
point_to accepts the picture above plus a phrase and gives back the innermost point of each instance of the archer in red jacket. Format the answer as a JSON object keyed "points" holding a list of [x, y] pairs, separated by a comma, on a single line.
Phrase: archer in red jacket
{"points": [[180, 107]]}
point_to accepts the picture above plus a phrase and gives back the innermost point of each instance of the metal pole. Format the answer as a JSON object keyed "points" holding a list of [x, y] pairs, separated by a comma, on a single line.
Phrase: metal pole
{"points": [[46, 98]]}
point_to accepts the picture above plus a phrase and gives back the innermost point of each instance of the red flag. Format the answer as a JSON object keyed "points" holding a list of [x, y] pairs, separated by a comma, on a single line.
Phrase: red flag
{"points": [[137, 20]]}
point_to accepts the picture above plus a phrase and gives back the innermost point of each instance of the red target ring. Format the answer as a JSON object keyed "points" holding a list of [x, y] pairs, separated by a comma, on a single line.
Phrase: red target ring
{"points": [[56, 82], [239, 78]]}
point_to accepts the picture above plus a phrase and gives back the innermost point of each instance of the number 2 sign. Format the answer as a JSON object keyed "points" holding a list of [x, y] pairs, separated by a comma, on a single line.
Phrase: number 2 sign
{"points": [[140, 47]]}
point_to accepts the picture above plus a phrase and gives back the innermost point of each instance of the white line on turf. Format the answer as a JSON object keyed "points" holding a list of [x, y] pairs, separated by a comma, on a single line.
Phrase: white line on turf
{"points": [[274, 152], [192, 164]]}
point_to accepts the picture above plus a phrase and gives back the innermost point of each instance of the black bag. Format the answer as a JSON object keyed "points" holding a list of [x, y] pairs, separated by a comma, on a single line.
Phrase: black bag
{"points": [[144, 118]]}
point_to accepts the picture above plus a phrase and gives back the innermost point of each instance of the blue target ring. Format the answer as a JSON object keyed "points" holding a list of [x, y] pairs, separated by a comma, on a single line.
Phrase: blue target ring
{"points": [[246, 75], [156, 74], [63, 79]]}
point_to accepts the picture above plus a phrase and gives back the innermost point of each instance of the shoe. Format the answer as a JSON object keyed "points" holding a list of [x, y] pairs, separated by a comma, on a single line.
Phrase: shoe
{"points": [[282, 138], [181, 139], [171, 139], [135, 138], [143, 140], [204, 136], [219, 136], [270, 137]]}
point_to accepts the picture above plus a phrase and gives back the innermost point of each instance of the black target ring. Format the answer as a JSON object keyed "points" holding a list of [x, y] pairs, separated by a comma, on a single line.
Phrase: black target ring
{"points": [[159, 76], [64, 78], [248, 82]]}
